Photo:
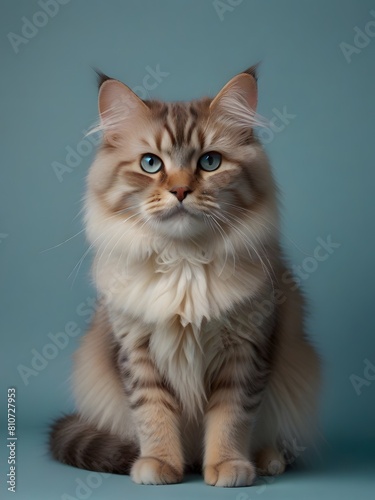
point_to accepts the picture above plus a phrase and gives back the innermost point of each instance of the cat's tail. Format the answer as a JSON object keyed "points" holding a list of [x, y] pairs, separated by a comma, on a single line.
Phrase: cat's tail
{"points": [[75, 442]]}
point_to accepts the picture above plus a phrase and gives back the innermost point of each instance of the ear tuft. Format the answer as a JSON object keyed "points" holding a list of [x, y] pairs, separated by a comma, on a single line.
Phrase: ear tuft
{"points": [[253, 71], [101, 77]]}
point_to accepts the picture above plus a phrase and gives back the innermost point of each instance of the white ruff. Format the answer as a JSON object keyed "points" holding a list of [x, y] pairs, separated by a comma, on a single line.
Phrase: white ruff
{"points": [[157, 285]]}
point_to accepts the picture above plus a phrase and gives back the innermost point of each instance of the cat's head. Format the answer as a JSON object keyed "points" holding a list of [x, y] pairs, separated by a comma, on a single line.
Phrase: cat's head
{"points": [[181, 170]]}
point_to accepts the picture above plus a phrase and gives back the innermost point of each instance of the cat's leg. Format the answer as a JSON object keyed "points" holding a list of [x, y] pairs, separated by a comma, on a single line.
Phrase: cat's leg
{"points": [[286, 427], [156, 413], [230, 415]]}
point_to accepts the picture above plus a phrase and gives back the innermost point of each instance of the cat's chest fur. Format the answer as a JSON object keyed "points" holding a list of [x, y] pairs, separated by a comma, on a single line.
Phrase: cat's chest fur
{"points": [[178, 304], [193, 287]]}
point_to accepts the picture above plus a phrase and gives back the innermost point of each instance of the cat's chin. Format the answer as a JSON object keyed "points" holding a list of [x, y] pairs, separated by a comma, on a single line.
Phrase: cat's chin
{"points": [[179, 223]]}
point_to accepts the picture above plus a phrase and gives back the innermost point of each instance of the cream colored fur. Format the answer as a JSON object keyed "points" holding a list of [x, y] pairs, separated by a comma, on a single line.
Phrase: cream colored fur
{"points": [[189, 288]]}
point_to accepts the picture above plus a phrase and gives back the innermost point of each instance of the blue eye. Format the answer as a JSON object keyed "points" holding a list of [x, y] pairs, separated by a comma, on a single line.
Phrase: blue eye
{"points": [[151, 163], [210, 161]]}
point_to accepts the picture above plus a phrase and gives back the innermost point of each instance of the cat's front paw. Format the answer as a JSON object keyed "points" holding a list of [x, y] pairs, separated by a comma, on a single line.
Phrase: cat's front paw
{"points": [[152, 470], [230, 473]]}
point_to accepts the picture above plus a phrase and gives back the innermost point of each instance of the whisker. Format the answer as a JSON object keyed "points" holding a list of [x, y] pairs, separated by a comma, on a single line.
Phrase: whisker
{"points": [[269, 223], [101, 250], [63, 242], [252, 247], [225, 240], [80, 261]]}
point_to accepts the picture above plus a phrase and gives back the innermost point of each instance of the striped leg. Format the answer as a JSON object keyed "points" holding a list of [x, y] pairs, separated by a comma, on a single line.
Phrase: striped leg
{"points": [[230, 414], [157, 415]]}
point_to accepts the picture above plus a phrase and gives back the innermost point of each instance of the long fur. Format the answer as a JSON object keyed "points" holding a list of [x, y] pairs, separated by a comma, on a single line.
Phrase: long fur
{"points": [[197, 354]]}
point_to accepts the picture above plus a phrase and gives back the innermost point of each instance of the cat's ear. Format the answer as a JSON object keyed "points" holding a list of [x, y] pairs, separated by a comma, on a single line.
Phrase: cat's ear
{"points": [[119, 108], [238, 99]]}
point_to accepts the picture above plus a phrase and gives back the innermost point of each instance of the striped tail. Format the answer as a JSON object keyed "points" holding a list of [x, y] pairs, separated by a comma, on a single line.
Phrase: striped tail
{"points": [[77, 443]]}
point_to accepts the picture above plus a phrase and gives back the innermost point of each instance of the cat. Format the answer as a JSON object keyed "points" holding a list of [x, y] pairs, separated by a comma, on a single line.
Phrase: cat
{"points": [[196, 356]]}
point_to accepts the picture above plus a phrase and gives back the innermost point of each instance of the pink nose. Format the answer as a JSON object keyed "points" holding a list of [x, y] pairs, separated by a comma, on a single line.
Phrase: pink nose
{"points": [[180, 192]]}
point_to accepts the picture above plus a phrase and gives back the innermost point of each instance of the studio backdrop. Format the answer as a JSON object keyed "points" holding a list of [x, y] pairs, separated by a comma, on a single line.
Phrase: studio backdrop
{"points": [[316, 94]]}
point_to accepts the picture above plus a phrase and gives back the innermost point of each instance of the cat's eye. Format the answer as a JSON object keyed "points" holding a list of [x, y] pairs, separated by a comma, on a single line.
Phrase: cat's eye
{"points": [[210, 161], [151, 163]]}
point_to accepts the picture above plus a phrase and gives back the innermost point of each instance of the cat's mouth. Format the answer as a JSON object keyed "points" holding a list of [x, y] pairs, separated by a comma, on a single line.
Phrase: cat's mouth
{"points": [[179, 210]]}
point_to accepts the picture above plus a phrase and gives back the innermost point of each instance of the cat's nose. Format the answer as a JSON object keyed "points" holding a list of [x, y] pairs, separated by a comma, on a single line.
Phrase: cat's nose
{"points": [[180, 192]]}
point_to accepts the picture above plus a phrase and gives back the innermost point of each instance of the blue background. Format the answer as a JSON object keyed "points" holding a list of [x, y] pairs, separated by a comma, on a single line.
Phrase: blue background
{"points": [[323, 160]]}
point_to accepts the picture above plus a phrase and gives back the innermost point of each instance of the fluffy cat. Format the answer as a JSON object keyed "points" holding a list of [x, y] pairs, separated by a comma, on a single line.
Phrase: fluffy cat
{"points": [[196, 356]]}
